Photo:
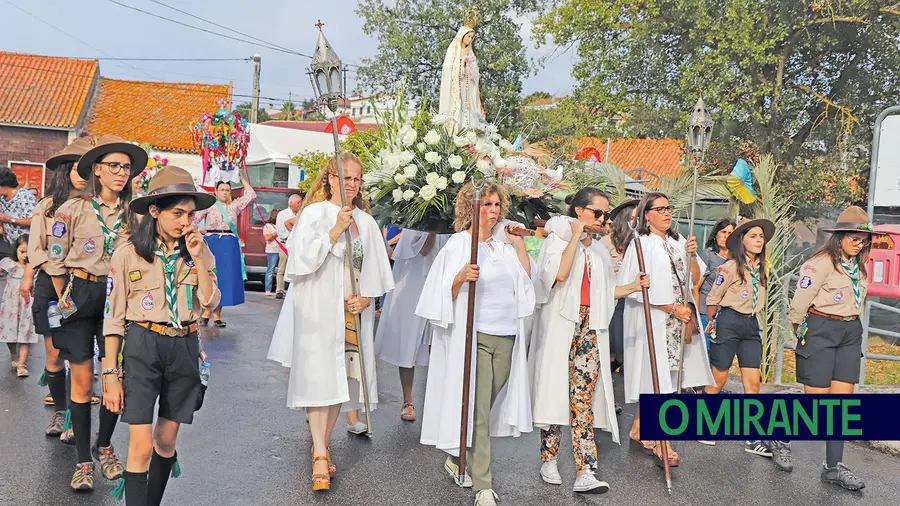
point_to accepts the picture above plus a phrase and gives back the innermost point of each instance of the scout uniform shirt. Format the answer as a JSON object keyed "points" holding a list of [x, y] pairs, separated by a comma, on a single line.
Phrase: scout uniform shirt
{"points": [[136, 290], [76, 239], [729, 291], [827, 289], [39, 238]]}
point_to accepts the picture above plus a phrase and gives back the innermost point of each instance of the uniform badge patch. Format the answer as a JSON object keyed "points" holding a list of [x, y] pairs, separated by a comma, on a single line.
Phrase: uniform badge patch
{"points": [[58, 229], [109, 285], [134, 276], [839, 296], [809, 268], [56, 251], [90, 247], [189, 263], [720, 279], [62, 217], [805, 282], [147, 302], [107, 309], [745, 293]]}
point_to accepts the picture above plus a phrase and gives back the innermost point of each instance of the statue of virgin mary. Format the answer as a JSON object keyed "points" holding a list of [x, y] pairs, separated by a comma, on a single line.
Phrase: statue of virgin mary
{"points": [[460, 99]]}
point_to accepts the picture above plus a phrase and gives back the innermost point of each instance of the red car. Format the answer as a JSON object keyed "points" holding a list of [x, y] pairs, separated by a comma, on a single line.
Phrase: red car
{"points": [[250, 226]]}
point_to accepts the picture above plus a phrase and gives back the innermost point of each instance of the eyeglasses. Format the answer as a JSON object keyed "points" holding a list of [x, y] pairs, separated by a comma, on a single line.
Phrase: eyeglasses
{"points": [[598, 213], [348, 180], [116, 167], [662, 209], [857, 241]]}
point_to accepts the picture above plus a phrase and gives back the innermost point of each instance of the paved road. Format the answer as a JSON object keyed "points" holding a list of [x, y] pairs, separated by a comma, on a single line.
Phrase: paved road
{"points": [[246, 448]]}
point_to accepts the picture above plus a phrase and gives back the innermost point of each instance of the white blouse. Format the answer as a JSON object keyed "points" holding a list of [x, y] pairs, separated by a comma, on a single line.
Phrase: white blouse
{"points": [[495, 294]]}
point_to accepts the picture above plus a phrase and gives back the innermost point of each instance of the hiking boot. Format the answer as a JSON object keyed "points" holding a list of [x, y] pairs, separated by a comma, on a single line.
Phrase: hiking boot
{"points": [[452, 469], [781, 455], [550, 473], [587, 483], [83, 479], [486, 497], [110, 466], [758, 448], [843, 476], [67, 437], [56, 424]]}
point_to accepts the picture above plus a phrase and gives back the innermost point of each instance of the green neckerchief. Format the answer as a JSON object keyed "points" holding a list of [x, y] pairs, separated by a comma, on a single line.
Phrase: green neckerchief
{"points": [[109, 236], [853, 272], [754, 278], [228, 221], [171, 293]]}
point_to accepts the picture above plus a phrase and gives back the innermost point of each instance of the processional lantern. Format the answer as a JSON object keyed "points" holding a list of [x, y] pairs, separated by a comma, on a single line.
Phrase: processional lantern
{"points": [[325, 72], [699, 129]]}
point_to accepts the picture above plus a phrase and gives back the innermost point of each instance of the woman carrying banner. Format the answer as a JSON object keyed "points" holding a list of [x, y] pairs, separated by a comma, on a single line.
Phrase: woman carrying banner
{"points": [[221, 235], [825, 311], [501, 402], [665, 254]]}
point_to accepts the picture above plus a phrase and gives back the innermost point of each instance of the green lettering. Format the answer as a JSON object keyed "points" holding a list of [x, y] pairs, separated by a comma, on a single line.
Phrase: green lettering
{"points": [[812, 424], [737, 416], [778, 418], [752, 418], [662, 417], [705, 420], [829, 405], [847, 417]]}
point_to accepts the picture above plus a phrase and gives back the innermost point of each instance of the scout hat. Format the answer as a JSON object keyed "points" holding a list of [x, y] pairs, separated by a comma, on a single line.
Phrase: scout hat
{"points": [[853, 219], [621, 207], [168, 182], [106, 144], [70, 154], [767, 226]]}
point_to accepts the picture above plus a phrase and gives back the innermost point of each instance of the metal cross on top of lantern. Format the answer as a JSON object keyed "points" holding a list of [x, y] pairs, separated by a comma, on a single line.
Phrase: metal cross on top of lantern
{"points": [[222, 139], [699, 129]]}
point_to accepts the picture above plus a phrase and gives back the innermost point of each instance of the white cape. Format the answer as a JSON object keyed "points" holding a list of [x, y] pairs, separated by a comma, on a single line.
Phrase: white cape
{"points": [[402, 338], [554, 329], [511, 413], [315, 269], [638, 377]]}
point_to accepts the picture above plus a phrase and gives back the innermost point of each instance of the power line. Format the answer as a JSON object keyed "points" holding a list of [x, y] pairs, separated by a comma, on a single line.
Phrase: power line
{"points": [[159, 59], [267, 46]]}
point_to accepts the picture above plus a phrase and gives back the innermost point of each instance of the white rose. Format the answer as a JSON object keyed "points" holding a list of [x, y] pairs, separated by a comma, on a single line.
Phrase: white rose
{"points": [[410, 171], [427, 192], [495, 137], [391, 163], [484, 167], [506, 145], [421, 147], [432, 157], [460, 141], [471, 136], [500, 162], [482, 147], [400, 178], [439, 119], [492, 128], [370, 178], [398, 195], [408, 195], [407, 135], [458, 177], [441, 183], [432, 138], [455, 161], [431, 178], [406, 157]]}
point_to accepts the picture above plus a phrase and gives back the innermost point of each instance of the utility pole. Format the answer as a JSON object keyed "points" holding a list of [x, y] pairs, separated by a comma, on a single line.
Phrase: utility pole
{"points": [[254, 106]]}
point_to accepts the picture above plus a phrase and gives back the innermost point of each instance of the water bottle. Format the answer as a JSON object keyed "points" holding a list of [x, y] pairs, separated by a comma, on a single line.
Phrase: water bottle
{"points": [[54, 315], [204, 373]]}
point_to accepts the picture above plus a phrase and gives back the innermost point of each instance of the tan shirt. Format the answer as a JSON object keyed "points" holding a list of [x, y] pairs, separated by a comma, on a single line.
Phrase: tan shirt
{"points": [[729, 291], [38, 239], [136, 290], [606, 240], [827, 289], [76, 239]]}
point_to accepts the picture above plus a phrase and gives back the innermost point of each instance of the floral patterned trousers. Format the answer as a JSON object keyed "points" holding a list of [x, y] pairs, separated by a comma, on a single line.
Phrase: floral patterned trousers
{"points": [[584, 371]]}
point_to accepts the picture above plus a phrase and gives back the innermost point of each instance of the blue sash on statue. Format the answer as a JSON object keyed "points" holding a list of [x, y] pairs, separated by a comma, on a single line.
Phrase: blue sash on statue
{"points": [[231, 226]]}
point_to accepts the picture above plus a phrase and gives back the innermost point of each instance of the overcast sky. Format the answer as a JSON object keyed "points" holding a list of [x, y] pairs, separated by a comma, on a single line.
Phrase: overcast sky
{"points": [[100, 28]]}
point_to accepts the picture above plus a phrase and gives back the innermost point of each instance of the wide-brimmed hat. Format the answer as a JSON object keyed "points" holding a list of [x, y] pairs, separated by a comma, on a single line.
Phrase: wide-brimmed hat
{"points": [[853, 219], [767, 226], [70, 154], [171, 181], [106, 144], [621, 207]]}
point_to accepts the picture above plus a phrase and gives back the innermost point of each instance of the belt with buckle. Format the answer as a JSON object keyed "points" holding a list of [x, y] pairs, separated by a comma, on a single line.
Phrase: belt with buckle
{"points": [[816, 312], [170, 331], [87, 276]]}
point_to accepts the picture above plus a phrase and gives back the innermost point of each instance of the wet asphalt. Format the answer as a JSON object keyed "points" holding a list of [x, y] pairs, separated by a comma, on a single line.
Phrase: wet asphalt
{"points": [[246, 448]]}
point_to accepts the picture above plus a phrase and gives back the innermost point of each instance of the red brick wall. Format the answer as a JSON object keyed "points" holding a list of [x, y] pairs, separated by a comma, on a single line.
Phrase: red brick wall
{"points": [[30, 144]]}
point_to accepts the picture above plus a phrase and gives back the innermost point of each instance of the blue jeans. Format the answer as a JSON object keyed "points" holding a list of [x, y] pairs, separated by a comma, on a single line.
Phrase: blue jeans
{"points": [[271, 270]]}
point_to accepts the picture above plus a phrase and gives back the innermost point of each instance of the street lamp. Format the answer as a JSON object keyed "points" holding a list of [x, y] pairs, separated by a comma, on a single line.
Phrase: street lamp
{"points": [[699, 129], [325, 75]]}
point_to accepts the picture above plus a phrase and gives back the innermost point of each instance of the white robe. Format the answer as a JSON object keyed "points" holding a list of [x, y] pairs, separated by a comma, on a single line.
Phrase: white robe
{"points": [[638, 377], [555, 325], [319, 366], [511, 412], [402, 338]]}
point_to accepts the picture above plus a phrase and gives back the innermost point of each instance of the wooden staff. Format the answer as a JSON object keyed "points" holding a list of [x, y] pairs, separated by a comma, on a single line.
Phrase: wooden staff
{"points": [[651, 345], [591, 229], [470, 331]]}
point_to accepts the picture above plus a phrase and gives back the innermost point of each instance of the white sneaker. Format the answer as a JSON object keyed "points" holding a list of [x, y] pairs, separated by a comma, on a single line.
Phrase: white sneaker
{"points": [[587, 483], [707, 443], [486, 497], [452, 469], [357, 428], [550, 473]]}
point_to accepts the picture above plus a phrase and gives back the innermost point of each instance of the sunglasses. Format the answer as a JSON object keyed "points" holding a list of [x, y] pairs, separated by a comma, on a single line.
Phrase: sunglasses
{"points": [[598, 213]]}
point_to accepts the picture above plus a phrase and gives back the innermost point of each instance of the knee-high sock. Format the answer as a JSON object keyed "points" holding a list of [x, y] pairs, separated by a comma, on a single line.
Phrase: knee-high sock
{"points": [[81, 425], [160, 467], [135, 489], [108, 421], [834, 452], [56, 382]]}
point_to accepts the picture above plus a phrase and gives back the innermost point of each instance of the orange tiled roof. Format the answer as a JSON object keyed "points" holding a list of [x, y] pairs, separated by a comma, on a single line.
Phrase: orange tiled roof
{"points": [[154, 112], [659, 156], [44, 91]]}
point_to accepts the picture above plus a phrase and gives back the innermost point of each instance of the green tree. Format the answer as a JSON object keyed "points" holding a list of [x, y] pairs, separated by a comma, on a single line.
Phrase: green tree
{"points": [[289, 111], [772, 70], [244, 111], [537, 95], [312, 162], [413, 36]]}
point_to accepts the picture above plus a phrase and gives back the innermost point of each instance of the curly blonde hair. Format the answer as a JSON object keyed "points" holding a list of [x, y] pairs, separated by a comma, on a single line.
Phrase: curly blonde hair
{"points": [[466, 198], [321, 188]]}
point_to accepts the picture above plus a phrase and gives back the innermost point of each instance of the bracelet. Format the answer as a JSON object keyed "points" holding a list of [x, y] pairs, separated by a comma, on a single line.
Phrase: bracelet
{"points": [[112, 371]]}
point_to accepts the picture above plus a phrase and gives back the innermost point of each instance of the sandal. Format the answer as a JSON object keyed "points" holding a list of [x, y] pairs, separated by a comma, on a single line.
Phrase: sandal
{"points": [[320, 481], [22, 371], [674, 459], [332, 469], [219, 323], [48, 401], [635, 443], [408, 414]]}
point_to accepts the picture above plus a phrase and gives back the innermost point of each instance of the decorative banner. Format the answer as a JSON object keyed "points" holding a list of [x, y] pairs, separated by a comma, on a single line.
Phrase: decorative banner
{"points": [[222, 139], [345, 125], [154, 163], [589, 154]]}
